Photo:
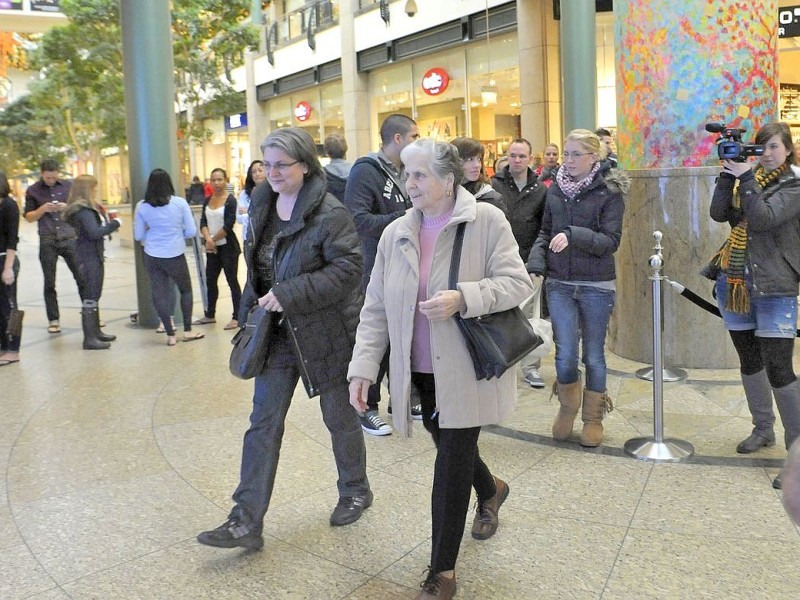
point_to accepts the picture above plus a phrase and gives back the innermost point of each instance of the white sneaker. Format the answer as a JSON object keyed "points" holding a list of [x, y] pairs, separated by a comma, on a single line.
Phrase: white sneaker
{"points": [[372, 424], [533, 379]]}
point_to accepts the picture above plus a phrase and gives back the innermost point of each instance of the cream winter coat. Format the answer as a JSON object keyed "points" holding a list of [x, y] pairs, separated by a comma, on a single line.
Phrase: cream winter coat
{"points": [[492, 278]]}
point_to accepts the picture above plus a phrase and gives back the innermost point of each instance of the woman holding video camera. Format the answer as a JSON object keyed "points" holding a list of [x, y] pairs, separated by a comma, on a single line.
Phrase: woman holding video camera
{"points": [[757, 281]]}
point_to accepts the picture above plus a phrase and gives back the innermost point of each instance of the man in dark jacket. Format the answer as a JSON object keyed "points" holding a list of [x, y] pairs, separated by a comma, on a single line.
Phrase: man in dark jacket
{"points": [[524, 196], [376, 196], [44, 202]]}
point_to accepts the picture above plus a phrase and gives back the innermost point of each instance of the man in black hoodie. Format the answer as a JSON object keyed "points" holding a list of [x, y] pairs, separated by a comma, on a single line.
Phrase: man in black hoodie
{"points": [[524, 196], [376, 196]]}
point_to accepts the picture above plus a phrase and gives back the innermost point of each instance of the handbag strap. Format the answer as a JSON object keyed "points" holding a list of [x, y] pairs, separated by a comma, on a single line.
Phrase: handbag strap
{"points": [[455, 260]]}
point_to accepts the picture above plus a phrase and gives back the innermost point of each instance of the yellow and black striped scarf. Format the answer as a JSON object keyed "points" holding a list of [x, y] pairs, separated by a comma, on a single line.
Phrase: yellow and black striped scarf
{"points": [[732, 256]]}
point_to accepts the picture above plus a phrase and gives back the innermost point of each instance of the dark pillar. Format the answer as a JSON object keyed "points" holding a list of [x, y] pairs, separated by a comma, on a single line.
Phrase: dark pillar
{"points": [[578, 64], [150, 111]]}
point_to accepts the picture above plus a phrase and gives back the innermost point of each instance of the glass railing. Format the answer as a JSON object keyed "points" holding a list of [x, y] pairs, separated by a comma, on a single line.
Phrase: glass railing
{"points": [[294, 25]]}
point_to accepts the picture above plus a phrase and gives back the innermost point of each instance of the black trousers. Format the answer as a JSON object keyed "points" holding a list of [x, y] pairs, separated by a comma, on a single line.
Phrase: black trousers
{"points": [[49, 251], [226, 259], [92, 273], [457, 469], [8, 299], [163, 272], [374, 391]]}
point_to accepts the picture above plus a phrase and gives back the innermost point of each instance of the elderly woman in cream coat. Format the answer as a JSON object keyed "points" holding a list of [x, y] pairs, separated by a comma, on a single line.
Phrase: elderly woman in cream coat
{"points": [[410, 308]]}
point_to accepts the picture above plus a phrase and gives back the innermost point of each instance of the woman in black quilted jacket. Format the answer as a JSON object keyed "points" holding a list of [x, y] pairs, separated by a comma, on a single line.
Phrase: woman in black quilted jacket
{"points": [[304, 264]]}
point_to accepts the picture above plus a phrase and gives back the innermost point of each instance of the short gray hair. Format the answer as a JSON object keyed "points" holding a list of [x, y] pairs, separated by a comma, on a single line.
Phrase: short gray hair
{"points": [[298, 144], [442, 157]]}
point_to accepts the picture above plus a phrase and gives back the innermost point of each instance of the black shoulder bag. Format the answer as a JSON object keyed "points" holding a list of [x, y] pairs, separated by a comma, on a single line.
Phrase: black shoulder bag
{"points": [[496, 341]]}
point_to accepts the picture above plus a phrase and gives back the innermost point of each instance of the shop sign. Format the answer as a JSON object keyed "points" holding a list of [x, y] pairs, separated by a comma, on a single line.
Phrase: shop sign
{"points": [[46, 5], [302, 112], [789, 22], [237, 121], [435, 81]]}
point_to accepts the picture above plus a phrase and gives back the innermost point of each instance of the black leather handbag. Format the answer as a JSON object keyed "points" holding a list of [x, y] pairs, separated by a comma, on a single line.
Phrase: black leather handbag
{"points": [[251, 344], [496, 341]]}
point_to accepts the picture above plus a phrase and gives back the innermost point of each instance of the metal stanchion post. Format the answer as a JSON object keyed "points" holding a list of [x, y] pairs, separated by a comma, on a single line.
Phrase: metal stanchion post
{"points": [[670, 374], [656, 448]]}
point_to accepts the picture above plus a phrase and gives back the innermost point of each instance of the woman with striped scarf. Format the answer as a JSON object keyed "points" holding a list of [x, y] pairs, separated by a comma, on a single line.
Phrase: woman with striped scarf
{"points": [[757, 279]]}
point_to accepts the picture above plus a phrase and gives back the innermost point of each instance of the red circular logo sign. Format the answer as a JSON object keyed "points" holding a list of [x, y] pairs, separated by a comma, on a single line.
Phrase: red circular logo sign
{"points": [[435, 81], [302, 112]]}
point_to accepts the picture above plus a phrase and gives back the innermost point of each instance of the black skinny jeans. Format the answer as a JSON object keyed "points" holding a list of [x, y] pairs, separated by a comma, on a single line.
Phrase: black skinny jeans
{"points": [[226, 259], [164, 271], [8, 299], [457, 469], [49, 251]]}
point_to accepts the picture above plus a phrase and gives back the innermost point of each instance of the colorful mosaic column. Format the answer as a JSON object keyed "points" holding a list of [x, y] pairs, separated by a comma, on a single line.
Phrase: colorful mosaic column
{"points": [[683, 64], [680, 65]]}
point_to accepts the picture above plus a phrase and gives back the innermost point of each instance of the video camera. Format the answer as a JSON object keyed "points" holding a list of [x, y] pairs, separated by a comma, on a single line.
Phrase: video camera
{"points": [[729, 144]]}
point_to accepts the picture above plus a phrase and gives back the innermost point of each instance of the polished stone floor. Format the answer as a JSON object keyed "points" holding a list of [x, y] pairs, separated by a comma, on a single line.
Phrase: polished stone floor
{"points": [[114, 460]]}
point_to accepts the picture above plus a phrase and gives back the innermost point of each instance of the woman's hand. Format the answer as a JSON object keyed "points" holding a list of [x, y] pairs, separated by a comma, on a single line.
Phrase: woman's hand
{"points": [[443, 305], [737, 169], [559, 242], [358, 394], [211, 245], [270, 302], [8, 276]]}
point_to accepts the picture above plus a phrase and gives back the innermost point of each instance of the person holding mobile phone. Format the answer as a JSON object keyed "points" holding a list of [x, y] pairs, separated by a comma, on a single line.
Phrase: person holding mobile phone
{"points": [[44, 202]]}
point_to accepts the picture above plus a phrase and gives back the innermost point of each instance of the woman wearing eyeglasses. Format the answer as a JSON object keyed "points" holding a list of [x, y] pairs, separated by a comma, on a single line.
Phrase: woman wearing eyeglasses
{"points": [[304, 264], [581, 230]]}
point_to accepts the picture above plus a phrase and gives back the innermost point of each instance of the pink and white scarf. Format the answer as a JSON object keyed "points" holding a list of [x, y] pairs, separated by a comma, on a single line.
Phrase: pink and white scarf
{"points": [[569, 186]]}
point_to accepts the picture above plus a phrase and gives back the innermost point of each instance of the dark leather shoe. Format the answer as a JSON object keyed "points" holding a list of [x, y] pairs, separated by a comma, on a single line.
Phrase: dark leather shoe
{"points": [[348, 510], [755, 441], [485, 523], [777, 483], [232, 534], [437, 587]]}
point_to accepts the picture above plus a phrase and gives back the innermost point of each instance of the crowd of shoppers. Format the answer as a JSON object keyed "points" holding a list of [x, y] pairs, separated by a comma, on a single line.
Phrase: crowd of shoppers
{"points": [[337, 279]]}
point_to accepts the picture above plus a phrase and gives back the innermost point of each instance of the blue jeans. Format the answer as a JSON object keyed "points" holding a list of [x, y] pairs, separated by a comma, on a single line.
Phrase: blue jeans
{"points": [[769, 316], [580, 311], [262, 441]]}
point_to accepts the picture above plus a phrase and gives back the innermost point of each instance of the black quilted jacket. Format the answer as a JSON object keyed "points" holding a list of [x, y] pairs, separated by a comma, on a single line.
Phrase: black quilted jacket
{"points": [[318, 268]]}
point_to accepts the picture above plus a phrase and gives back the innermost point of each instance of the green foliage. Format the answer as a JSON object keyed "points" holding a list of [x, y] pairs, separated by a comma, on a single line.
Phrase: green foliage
{"points": [[27, 135], [77, 106]]}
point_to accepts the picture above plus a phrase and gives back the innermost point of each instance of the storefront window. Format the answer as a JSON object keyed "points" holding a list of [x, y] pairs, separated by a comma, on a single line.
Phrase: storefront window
{"points": [[440, 112], [389, 94], [332, 115], [280, 113], [494, 104], [306, 113]]}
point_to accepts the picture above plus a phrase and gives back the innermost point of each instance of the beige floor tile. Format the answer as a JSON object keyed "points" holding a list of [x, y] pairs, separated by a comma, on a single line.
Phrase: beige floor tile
{"points": [[190, 570], [527, 558], [54, 594], [10, 536], [54, 466], [668, 565], [386, 590], [720, 502], [79, 534], [398, 519], [583, 487], [21, 575]]}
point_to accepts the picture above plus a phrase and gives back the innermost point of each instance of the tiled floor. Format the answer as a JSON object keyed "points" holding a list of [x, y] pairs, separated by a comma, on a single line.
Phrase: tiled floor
{"points": [[115, 460]]}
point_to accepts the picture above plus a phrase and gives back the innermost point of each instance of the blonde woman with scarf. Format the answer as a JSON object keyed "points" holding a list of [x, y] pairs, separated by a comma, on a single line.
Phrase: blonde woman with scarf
{"points": [[757, 279]]}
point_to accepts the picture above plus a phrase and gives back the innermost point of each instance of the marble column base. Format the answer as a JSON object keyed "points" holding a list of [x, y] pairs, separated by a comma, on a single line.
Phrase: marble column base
{"points": [[675, 202]]}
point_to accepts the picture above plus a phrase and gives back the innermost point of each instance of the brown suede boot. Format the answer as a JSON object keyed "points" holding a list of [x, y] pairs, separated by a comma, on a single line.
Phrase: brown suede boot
{"points": [[569, 396], [595, 405]]}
